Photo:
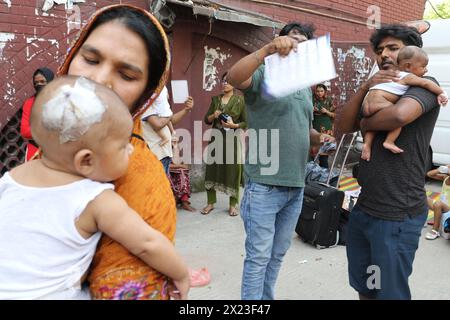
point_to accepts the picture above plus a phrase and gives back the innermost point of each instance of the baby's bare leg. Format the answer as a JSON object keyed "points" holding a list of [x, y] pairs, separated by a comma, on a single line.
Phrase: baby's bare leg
{"points": [[377, 100], [367, 146], [389, 143]]}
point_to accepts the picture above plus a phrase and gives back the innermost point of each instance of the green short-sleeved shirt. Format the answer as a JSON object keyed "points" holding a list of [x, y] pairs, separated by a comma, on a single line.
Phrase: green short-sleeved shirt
{"points": [[290, 117]]}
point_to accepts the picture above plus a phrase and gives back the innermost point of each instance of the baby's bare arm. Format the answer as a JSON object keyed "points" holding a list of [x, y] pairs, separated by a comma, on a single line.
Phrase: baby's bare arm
{"points": [[115, 218], [413, 80]]}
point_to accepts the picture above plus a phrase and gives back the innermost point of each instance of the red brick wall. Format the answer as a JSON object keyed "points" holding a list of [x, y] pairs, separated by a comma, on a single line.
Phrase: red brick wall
{"points": [[30, 39], [37, 39], [391, 11]]}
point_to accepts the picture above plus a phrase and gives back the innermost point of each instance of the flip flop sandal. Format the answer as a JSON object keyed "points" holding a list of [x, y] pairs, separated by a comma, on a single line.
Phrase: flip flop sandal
{"points": [[432, 235], [205, 212], [233, 213], [199, 278]]}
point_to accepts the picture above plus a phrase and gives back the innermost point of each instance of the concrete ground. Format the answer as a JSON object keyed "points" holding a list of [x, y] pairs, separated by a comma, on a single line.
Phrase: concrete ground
{"points": [[216, 241]]}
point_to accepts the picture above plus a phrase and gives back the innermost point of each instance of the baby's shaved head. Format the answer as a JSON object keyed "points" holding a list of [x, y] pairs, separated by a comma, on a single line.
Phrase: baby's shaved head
{"points": [[411, 52], [73, 112]]}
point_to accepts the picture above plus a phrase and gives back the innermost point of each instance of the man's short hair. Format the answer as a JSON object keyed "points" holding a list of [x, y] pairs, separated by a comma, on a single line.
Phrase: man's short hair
{"points": [[408, 35], [306, 29]]}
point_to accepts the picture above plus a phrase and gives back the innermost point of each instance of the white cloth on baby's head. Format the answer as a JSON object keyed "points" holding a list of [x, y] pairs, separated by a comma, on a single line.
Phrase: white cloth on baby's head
{"points": [[393, 87], [43, 256], [161, 106]]}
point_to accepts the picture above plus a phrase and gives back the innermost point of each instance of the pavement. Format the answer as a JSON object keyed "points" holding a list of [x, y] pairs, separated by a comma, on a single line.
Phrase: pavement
{"points": [[216, 241]]}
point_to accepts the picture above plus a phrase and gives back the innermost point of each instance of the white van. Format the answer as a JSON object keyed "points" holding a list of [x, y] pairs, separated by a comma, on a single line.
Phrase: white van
{"points": [[436, 42]]}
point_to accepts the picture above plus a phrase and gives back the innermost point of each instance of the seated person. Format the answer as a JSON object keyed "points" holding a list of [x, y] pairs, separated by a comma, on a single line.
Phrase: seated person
{"points": [[412, 62], [440, 207], [54, 209], [179, 179]]}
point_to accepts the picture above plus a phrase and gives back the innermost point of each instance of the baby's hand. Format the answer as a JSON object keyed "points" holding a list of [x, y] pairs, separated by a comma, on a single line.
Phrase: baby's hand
{"points": [[443, 99]]}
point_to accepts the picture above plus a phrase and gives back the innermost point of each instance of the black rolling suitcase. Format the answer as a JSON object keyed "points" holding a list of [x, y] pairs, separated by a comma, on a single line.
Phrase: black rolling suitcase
{"points": [[322, 205]]}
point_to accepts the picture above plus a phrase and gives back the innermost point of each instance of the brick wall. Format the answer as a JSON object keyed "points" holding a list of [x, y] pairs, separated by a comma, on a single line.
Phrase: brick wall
{"points": [[289, 10], [30, 38]]}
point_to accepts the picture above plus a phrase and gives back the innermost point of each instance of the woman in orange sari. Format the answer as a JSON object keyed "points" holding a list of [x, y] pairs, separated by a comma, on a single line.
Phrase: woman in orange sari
{"points": [[126, 49]]}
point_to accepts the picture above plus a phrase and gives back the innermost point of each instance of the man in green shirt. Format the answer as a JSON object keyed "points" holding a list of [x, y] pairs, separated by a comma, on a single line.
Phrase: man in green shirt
{"points": [[273, 193]]}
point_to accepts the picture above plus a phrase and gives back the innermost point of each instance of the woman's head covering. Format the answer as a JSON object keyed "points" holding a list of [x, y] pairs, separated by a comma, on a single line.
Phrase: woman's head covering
{"points": [[85, 31], [46, 72]]}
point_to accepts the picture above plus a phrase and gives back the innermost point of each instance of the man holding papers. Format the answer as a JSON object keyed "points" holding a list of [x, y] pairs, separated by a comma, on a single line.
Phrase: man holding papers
{"points": [[273, 191]]}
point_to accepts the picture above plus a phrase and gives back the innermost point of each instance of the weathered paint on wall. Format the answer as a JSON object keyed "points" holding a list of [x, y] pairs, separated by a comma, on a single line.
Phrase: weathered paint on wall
{"points": [[5, 37], [211, 76], [353, 65], [31, 38]]}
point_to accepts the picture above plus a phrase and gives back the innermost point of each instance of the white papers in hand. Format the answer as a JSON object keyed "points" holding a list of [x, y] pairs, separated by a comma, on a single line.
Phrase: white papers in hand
{"points": [[311, 64], [180, 91]]}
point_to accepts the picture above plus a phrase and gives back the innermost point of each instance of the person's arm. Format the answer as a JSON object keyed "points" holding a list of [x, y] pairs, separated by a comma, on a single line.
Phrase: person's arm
{"points": [[240, 74], [317, 139], [414, 81], [347, 119], [114, 217], [156, 122], [212, 113], [330, 112], [170, 125], [435, 174], [188, 105]]}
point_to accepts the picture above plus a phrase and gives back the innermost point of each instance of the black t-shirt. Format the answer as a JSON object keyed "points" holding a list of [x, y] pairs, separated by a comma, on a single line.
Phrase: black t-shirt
{"points": [[393, 185]]}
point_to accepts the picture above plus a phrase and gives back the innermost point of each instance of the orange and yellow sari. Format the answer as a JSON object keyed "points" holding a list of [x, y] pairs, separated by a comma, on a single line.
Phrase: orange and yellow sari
{"points": [[116, 273]]}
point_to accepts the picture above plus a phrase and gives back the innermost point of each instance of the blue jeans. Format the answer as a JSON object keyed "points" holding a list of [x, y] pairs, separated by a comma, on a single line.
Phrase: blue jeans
{"points": [[166, 163], [380, 254], [270, 214]]}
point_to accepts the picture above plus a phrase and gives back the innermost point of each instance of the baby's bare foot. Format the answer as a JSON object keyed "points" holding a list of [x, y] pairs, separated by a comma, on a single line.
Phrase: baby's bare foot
{"points": [[365, 153], [392, 147]]}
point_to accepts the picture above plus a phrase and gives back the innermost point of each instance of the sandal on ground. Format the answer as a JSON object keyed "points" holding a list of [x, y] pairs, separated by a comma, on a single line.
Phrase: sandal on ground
{"points": [[233, 212], [433, 234], [207, 209], [199, 278]]}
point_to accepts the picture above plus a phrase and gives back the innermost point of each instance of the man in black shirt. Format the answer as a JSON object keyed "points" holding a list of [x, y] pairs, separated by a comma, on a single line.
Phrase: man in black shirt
{"points": [[385, 225]]}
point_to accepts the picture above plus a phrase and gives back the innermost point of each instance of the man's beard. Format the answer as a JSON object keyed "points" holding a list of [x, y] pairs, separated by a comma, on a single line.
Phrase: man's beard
{"points": [[387, 64]]}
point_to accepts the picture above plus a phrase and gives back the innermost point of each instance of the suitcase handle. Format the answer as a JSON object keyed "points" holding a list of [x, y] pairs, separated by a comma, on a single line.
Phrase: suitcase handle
{"points": [[341, 142]]}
